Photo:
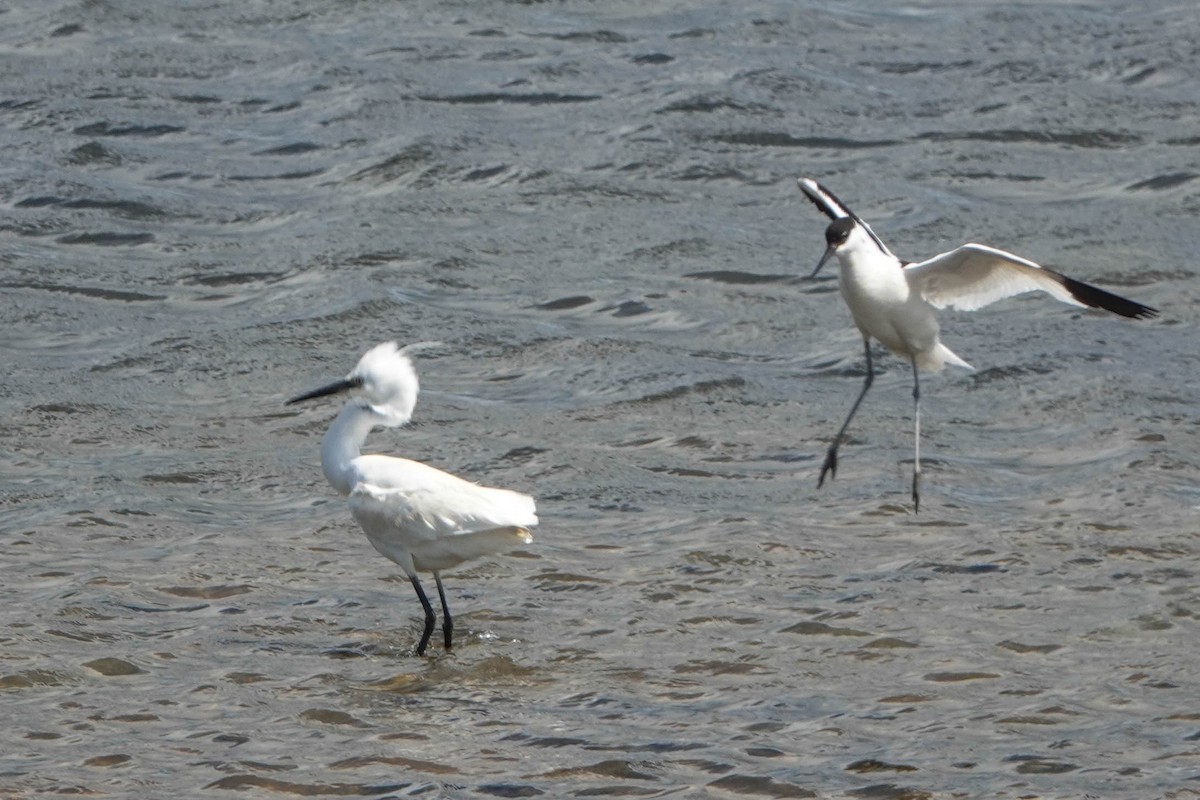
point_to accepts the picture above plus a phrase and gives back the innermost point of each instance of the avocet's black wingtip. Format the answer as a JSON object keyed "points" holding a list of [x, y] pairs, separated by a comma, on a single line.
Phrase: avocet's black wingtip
{"points": [[1095, 297], [825, 200]]}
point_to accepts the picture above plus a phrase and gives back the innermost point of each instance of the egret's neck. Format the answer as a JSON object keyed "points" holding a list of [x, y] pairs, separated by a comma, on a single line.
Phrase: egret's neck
{"points": [[343, 443]]}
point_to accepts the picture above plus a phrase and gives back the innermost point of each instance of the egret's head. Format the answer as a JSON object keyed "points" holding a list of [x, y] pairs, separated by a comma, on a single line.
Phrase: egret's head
{"points": [[383, 380]]}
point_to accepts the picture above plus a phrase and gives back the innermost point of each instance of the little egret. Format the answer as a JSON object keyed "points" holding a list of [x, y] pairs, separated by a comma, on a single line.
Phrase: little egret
{"points": [[419, 517], [893, 301]]}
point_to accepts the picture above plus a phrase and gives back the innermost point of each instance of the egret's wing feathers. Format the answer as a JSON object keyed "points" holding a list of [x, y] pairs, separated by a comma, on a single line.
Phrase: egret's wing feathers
{"points": [[433, 503], [425, 514], [404, 525], [829, 205], [975, 275], [427, 528]]}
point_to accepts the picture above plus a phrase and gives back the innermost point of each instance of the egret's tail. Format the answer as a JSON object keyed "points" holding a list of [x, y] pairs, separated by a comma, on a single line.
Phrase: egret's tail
{"points": [[933, 360]]}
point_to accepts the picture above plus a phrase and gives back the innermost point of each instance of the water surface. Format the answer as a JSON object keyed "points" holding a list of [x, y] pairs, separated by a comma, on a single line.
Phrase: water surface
{"points": [[591, 207]]}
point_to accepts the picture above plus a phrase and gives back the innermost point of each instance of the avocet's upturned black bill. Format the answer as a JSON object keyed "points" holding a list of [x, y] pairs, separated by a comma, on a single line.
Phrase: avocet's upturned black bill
{"points": [[419, 517], [893, 301]]}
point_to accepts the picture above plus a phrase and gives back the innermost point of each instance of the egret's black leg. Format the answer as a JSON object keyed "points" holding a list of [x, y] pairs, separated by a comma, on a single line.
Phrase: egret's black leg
{"points": [[428, 614], [830, 464], [447, 620], [916, 486]]}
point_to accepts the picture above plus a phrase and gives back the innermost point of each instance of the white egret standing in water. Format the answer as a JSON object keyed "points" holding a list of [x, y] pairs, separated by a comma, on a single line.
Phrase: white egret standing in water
{"points": [[419, 517]]}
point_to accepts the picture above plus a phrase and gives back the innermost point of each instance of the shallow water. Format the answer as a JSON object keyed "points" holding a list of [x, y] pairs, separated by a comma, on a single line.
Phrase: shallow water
{"points": [[591, 208]]}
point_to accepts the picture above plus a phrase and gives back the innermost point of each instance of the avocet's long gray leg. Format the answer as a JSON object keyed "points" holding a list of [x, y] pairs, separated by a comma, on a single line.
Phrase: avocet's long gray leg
{"points": [[916, 488], [830, 465]]}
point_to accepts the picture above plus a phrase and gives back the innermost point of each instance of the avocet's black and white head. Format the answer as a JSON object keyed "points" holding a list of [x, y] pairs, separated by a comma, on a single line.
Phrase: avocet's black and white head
{"points": [[842, 237], [847, 234], [383, 381]]}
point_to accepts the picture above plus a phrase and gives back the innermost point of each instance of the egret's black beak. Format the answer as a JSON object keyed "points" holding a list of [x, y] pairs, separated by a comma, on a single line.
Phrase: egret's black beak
{"points": [[821, 263], [333, 388]]}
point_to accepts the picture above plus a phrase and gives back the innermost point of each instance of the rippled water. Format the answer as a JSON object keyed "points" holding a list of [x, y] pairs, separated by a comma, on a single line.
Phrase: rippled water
{"points": [[591, 206]]}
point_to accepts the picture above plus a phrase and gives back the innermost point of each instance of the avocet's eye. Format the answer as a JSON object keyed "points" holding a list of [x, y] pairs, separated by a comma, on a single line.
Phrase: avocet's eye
{"points": [[838, 231]]}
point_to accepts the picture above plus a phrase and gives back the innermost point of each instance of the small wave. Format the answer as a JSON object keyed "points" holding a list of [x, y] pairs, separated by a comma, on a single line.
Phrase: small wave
{"points": [[408, 160], [693, 247], [283, 176], [759, 786], [1039, 765], [702, 172], [295, 148], [510, 789], [19, 105], [566, 303], [737, 277], [601, 36], [94, 153], [1140, 76], [243, 781], [124, 208], [915, 67], [211, 592], [484, 173], [700, 387], [107, 238], [357, 762], [777, 139], [706, 104], [30, 678], [198, 99], [1090, 139], [1161, 182], [109, 129], [628, 308], [988, 175], [233, 278], [526, 98]]}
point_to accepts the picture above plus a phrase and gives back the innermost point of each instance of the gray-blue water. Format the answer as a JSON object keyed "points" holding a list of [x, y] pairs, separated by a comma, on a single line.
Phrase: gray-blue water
{"points": [[210, 207]]}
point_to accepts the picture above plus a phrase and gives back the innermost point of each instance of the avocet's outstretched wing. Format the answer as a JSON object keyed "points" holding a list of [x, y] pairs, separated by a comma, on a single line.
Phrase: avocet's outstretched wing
{"points": [[975, 275]]}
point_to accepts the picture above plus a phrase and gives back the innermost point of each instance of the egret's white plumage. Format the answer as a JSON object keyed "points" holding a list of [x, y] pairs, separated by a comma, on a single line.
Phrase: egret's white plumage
{"points": [[893, 301], [421, 518]]}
